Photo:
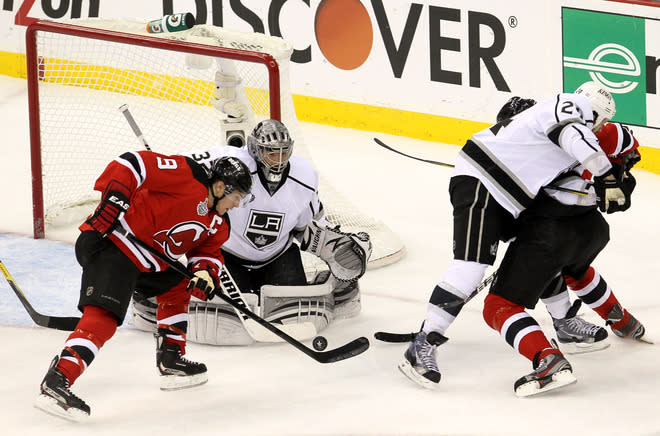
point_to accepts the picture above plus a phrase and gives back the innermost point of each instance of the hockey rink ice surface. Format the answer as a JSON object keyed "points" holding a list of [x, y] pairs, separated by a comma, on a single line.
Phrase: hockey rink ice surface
{"points": [[273, 389]]}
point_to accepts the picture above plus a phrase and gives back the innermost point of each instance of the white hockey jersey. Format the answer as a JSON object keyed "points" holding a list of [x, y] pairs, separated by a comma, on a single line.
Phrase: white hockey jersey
{"points": [[515, 158], [265, 228]]}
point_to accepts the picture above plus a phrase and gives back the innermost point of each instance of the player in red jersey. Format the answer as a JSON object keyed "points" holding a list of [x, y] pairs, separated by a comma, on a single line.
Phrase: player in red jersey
{"points": [[177, 207]]}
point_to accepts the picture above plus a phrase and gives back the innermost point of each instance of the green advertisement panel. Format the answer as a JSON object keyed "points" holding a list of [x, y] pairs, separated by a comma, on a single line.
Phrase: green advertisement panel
{"points": [[609, 49]]}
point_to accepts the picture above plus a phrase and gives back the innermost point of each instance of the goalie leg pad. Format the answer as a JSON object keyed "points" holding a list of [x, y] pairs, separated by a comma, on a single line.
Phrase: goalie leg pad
{"points": [[298, 304], [216, 323], [143, 312], [345, 253], [347, 299]]}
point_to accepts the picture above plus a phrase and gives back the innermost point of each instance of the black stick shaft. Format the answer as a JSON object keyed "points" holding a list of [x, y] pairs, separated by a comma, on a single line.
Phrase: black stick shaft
{"points": [[435, 162]]}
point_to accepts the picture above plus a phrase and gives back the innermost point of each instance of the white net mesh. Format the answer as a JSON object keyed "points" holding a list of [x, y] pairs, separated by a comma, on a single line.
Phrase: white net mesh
{"points": [[83, 82]]}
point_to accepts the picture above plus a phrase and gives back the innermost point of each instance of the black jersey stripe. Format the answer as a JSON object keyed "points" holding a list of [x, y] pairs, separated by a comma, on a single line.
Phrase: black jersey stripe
{"points": [[583, 139], [301, 183], [198, 171], [506, 183], [134, 160], [626, 139]]}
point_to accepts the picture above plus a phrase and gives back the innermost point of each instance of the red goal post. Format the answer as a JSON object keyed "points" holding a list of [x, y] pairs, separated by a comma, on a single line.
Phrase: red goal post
{"points": [[35, 73]]}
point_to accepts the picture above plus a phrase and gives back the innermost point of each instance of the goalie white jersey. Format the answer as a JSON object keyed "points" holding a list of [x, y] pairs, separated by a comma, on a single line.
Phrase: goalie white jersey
{"points": [[515, 158], [266, 227]]}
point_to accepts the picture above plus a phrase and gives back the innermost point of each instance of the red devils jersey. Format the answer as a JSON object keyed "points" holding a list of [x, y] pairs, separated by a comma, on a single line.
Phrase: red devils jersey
{"points": [[616, 140], [168, 209]]}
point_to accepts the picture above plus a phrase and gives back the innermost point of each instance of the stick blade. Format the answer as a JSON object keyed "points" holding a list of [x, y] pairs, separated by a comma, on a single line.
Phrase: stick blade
{"points": [[351, 349], [66, 323], [394, 337]]}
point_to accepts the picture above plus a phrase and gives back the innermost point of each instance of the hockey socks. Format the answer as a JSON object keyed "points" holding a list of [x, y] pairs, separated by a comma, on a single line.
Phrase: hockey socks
{"points": [[594, 291], [96, 326], [516, 326]]}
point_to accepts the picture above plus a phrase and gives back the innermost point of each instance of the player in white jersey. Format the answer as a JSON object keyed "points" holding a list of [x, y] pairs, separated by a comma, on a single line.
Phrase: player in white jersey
{"points": [[557, 239], [263, 264], [498, 174], [576, 335]]}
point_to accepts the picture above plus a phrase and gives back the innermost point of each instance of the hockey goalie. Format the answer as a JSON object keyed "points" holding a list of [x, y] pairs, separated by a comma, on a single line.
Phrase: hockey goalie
{"points": [[263, 266]]}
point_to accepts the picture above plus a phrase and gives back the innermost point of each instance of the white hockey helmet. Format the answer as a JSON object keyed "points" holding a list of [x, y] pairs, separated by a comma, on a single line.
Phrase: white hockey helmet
{"points": [[602, 102]]}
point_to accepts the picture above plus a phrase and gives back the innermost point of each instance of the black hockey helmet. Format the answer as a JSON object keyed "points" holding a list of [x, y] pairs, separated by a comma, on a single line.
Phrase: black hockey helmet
{"points": [[233, 173], [514, 106]]}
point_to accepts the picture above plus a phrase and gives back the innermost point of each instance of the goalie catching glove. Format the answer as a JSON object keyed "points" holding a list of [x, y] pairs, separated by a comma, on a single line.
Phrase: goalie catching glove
{"points": [[345, 253]]}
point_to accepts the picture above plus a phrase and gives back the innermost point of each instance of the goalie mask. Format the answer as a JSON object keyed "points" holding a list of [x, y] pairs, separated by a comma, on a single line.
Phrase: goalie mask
{"points": [[236, 177], [601, 101], [271, 146]]}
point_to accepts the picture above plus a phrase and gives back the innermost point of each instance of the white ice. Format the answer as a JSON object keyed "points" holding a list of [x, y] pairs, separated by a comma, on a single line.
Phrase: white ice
{"points": [[276, 390]]}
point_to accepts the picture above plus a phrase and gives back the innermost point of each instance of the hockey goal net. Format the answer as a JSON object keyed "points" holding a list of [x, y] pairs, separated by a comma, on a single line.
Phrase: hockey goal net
{"points": [[81, 72]]}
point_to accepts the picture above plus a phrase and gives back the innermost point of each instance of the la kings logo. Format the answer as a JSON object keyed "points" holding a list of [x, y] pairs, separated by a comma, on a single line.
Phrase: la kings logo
{"points": [[263, 228]]}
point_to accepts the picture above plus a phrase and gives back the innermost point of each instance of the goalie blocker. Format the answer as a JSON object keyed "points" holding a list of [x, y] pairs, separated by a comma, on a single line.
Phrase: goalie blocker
{"points": [[300, 311]]}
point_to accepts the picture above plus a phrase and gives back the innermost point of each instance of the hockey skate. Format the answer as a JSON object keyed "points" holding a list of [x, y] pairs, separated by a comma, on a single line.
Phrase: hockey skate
{"points": [[624, 325], [419, 363], [177, 372], [576, 335], [57, 399], [551, 372]]}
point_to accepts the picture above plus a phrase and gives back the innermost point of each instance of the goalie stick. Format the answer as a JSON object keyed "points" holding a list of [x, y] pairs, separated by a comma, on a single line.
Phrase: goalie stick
{"points": [[435, 162], [409, 337], [300, 331], [66, 323], [346, 351]]}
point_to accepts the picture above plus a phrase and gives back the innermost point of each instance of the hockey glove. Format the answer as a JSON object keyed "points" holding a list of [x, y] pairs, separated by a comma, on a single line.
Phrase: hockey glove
{"points": [[204, 282], [114, 202], [610, 196], [201, 285], [630, 159], [628, 184]]}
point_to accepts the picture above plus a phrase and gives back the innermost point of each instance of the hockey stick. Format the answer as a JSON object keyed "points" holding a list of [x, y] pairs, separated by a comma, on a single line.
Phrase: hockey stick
{"points": [[351, 349], [131, 122], [300, 331], [66, 323], [435, 162], [408, 337]]}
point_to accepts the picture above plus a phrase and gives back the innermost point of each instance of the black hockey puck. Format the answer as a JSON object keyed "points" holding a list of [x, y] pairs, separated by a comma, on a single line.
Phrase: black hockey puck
{"points": [[320, 343]]}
